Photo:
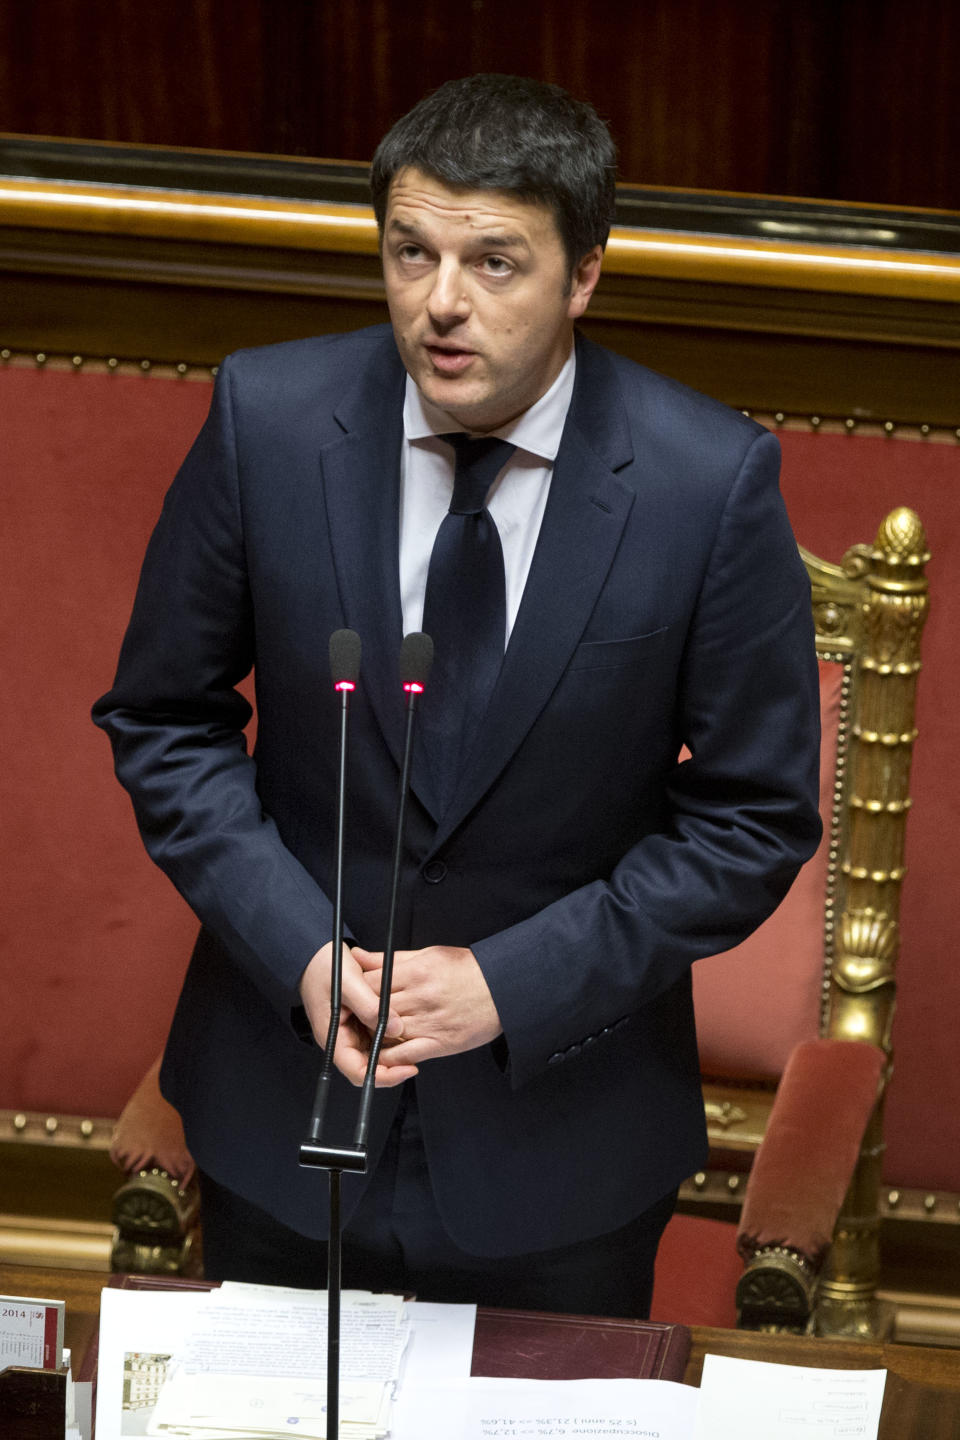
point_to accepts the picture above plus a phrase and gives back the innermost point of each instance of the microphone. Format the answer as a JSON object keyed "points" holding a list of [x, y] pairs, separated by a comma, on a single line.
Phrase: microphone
{"points": [[345, 650], [416, 658]]}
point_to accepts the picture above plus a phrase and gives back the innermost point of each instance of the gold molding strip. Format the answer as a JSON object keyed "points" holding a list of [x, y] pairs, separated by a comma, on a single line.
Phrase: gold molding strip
{"points": [[351, 229], [75, 1244], [186, 215]]}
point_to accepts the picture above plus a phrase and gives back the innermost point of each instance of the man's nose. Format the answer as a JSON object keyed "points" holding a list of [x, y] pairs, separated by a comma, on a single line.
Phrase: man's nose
{"points": [[448, 302]]}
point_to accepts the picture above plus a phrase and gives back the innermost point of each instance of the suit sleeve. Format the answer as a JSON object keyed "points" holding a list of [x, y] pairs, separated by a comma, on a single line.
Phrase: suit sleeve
{"points": [[741, 814], [176, 722]]}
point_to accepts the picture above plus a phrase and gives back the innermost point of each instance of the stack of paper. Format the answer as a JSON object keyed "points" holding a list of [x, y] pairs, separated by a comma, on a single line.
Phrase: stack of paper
{"points": [[250, 1362]]}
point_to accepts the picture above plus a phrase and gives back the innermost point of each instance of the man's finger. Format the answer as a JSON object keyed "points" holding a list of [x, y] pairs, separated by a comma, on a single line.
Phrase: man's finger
{"points": [[405, 1054], [368, 959], [363, 998]]}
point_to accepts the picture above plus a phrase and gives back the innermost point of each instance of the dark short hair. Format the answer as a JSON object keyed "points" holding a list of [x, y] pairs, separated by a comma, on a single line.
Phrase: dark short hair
{"points": [[502, 132]]}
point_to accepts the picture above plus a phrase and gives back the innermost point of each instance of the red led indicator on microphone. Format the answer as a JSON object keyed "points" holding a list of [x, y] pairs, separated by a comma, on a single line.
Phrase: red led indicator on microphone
{"points": [[344, 685], [412, 685]]}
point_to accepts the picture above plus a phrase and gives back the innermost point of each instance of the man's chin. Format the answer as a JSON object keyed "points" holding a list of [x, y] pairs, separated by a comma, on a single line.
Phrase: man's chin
{"points": [[466, 402]]}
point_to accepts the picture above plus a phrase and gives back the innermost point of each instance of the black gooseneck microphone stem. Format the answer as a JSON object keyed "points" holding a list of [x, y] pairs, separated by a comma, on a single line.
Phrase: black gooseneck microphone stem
{"points": [[416, 655], [334, 1286], [386, 976], [336, 963]]}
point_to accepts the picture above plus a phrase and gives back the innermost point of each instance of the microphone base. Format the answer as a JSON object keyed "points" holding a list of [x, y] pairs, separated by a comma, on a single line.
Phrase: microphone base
{"points": [[333, 1157]]}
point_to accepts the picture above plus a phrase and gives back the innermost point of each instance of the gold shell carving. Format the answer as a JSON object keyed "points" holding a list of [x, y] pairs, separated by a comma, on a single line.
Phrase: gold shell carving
{"points": [[868, 949]]}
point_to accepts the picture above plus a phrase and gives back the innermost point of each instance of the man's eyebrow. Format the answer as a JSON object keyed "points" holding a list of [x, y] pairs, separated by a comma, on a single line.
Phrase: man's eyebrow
{"points": [[482, 242], [405, 227], [503, 242]]}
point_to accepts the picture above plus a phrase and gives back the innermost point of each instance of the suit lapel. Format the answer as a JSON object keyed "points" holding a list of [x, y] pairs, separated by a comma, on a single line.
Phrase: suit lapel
{"points": [[585, 515], [361, 478]]}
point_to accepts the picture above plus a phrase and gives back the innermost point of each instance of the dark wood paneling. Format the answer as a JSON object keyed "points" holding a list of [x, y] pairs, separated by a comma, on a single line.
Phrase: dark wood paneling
{"points": [[850, 99]]}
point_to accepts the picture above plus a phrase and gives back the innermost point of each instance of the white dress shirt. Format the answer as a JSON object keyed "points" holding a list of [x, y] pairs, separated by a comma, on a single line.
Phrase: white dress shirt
{"points": [[516, 500]]}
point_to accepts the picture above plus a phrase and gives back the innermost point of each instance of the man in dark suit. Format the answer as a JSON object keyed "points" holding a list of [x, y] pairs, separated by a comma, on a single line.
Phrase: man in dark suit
{"points": [[538, 1102]]}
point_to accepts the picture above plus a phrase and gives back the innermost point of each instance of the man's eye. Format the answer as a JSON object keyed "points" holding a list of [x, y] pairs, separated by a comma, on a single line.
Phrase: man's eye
{"points": [[496, 265], [410, 253]]}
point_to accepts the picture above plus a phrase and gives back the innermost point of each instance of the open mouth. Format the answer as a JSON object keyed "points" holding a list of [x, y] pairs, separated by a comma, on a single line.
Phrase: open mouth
{"points": [[449, 361]]}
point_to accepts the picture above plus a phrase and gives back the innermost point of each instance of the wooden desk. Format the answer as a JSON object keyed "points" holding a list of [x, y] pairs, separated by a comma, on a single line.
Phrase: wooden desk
{"points": [[922, 1395], [921, 1402]]}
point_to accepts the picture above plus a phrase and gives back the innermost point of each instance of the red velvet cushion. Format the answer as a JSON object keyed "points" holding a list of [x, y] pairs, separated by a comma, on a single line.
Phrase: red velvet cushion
{"points": [[804, 1166], [697, 1272]]}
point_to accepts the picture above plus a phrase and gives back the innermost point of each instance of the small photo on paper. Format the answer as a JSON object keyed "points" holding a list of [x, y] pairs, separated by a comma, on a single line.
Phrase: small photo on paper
{"points": [[143, 1374]]}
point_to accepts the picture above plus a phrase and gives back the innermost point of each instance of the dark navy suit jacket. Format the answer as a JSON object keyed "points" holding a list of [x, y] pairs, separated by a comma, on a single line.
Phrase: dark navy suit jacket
{"points": [[587, 869]]}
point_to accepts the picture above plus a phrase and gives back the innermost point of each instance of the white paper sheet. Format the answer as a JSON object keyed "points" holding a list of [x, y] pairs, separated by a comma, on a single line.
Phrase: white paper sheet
{"points": [[756, 1400], [151, 1325], [480, 1409], [441, 1342]]}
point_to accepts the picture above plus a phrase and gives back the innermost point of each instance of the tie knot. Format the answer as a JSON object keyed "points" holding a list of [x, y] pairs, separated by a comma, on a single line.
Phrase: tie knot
{"points": [[479, 461]]}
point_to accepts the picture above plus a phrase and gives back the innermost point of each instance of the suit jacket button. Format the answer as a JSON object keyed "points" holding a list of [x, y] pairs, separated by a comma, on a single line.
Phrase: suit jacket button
{"points": [[434, 871], [556, 1058]]}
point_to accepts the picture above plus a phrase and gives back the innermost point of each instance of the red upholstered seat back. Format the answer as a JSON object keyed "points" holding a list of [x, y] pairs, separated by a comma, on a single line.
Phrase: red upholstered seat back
{"points": [[759, 1000], [93, 940]]}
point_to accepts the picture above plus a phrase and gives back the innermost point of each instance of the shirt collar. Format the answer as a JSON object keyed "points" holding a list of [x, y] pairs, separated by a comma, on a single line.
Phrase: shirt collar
{"points": [[538, 430]]}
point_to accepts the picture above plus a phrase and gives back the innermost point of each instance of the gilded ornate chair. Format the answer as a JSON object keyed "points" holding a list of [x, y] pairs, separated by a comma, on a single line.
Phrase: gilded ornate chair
{"points": [[810, 996], [806, 1005]]}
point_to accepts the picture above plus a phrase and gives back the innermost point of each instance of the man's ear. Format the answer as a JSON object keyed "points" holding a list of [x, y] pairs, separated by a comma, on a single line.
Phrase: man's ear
{"points": [[583, 281]]}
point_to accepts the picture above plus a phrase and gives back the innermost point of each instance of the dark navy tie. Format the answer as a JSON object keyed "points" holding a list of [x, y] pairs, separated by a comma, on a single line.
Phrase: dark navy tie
{"points": [[465, 609]]}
